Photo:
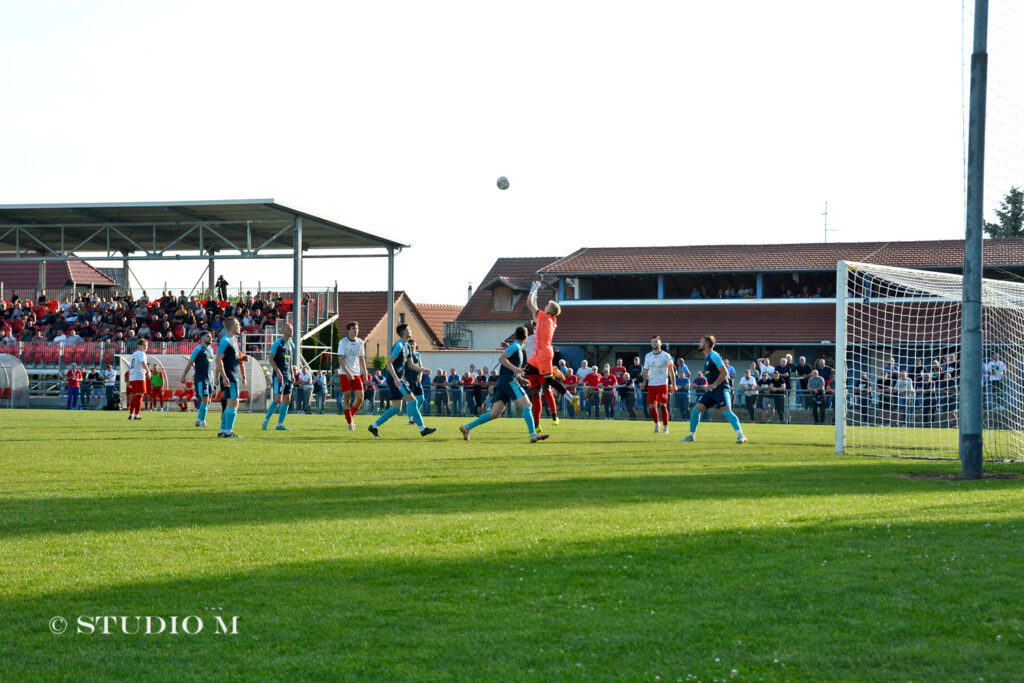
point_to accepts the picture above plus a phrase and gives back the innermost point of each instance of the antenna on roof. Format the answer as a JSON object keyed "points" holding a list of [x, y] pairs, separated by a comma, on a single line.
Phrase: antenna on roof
{"points": [[828, 229]]}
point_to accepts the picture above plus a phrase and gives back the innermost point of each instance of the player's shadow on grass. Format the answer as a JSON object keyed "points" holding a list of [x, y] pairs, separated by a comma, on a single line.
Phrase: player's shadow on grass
{"points": [[34, 516], [822, 601]]}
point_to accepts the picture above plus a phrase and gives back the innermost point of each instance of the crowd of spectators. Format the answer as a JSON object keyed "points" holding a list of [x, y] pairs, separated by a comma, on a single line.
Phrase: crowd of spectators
{"points": [[617, 391], [743, 292], [91, 317]]}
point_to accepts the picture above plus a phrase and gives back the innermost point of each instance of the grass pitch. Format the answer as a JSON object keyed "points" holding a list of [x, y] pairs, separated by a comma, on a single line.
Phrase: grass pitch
{"points": [[606, 552]]}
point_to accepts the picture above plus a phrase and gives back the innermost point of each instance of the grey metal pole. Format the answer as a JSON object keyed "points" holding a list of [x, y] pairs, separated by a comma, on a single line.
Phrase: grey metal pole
{"points": [[127, 276], [42, 280], [210, 280], [391, 299], [971, 340], [297, 289]]}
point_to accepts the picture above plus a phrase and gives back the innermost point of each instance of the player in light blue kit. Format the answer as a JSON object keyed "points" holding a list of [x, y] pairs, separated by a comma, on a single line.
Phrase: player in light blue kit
{"points": [[282, 355], [717, 392], [399, 362], [228, 358], [508, 391], [202, 359]]}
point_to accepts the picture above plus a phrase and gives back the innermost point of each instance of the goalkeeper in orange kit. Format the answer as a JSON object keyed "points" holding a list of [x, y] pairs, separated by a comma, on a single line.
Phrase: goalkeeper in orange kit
{"points": [[539, 367]]}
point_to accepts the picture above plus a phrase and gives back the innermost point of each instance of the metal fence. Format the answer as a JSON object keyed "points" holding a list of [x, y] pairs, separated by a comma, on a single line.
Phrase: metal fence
{"points": [[466, 401]]}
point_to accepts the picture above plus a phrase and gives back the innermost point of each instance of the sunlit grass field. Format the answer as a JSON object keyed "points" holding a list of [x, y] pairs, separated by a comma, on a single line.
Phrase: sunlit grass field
{"points": [[604, 553]]}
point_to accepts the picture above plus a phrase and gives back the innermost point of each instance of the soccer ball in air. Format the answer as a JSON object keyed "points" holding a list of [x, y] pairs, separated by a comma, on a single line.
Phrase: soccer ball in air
{"points": [[502, 183]]}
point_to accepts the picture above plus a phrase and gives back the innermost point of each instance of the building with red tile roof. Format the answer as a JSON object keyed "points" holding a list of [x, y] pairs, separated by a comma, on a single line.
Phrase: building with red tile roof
{"points": [[756, 299], [370, 310], [23, 278]]}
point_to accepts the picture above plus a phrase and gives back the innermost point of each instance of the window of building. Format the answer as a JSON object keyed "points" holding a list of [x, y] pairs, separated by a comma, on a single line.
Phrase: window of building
{"points": [[501, 299], [401, 317]]}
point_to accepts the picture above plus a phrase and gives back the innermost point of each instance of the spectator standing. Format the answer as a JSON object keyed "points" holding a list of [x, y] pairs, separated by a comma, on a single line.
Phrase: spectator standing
{"points": [[700, 385], [803, 373], [591, 392], [468, 393], [907, 399], [625, 388], [222, 288], [74, 380], [109, 385], [683, 391], [89, 384], [571, 383], [441, 398], [305, 378], [636, 373], [816, 387], [608, 384], [320, 391], [777, 389], [748, 385], [455, 391], [994, 371]]}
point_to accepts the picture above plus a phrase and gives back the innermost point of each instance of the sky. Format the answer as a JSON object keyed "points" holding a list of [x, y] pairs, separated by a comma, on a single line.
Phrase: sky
{"points": [[617, 124]]}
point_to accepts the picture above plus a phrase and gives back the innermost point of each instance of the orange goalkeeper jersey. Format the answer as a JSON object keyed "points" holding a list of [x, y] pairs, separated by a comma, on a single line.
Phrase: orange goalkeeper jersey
{"points": [[545, 333]]}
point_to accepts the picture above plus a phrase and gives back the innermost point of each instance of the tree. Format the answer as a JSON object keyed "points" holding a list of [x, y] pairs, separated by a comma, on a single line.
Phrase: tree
{"points": [[1010, 215]]}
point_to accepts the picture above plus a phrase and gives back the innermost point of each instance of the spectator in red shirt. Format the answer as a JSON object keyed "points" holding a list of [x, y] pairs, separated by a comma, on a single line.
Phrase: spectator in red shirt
{"points": [[571, 383], [74, 379], [592, 384], [608, 384]]}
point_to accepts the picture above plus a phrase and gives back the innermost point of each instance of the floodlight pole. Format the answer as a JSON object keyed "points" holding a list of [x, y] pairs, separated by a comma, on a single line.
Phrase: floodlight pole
{"points": [[971, 340], [297, 289]]}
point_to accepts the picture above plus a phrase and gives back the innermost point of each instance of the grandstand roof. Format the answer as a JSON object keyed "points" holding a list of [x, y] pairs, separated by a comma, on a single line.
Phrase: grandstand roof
{"points": [[778, 257], [731, 324], [245, 226], [517, 274], [58, 275]]}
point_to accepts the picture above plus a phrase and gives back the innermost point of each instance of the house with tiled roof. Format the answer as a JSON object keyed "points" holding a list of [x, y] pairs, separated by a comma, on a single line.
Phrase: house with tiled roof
{"points": [[756, 299], [370, 309], [498, 305], [23, 278]]}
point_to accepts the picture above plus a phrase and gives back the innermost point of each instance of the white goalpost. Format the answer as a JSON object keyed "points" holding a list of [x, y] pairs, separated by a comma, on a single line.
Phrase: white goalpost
{"points": [[898, 363]]}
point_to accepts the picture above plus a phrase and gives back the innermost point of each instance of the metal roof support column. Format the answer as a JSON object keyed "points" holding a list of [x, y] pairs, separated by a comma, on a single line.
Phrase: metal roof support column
{"points": [[42, 279], [297, 288], [210, 278], [127, 275], [391, 299], [661, 286]]}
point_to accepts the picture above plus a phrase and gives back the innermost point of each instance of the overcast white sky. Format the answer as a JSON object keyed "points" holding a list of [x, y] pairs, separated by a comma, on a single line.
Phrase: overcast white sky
{"points": [[618, 124]]}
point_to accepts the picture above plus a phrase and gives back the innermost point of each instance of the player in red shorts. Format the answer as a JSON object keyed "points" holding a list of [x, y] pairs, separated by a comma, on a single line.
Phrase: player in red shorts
{"points": [[541, 362], [659, 375], [138, 373], [352, 373]]}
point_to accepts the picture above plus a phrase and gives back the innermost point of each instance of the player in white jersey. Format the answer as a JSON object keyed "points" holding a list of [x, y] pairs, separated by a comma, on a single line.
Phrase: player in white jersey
{"points": [[352, 358], [138, 371], [659, 375]]}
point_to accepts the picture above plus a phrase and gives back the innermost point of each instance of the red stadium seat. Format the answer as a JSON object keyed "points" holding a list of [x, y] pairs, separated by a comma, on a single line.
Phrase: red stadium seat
{"points": [[243, 395], [51, 354], [5, 392]]}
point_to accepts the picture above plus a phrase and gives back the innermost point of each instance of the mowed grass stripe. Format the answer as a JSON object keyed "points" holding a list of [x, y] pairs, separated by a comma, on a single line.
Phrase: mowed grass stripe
{"points": [[606, 552]]}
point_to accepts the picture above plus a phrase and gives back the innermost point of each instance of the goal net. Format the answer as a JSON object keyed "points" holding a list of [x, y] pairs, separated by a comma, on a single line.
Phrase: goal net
{"points": [[898, 363]]}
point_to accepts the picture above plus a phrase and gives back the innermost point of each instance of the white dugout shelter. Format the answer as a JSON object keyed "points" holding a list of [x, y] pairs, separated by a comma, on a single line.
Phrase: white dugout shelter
{"points": [[252, 393]]}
